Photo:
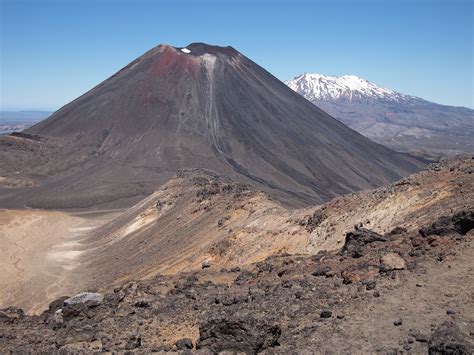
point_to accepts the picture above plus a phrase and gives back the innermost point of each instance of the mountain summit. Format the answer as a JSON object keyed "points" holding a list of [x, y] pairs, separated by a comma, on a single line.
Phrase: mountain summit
{"points": [[200, 106], [316, 86], [399, 121]]}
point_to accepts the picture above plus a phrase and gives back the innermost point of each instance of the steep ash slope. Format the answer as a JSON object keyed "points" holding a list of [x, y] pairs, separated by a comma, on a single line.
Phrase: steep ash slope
{"points": [[203, 107]]}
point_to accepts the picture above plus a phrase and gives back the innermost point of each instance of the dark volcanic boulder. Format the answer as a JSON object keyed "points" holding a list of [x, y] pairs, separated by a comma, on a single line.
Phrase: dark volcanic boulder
{"points": [[185, 343], [240, 333], [448, 339], [460, 223], [357, 239]]}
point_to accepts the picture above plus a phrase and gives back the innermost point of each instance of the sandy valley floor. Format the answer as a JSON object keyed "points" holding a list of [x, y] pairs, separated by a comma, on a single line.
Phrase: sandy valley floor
{"points": [[38, 255]]}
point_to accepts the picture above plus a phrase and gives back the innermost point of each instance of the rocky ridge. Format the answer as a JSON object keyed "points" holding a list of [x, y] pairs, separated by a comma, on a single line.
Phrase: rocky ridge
{"points": [[202, 217], [284, 303], [401, 279]]}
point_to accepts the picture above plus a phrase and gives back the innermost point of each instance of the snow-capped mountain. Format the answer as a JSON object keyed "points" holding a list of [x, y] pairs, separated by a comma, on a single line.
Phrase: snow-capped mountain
{"points": [[400, 121], [315, 86]]}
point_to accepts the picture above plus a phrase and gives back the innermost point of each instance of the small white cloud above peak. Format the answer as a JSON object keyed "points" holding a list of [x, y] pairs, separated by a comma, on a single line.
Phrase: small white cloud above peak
{"points": [[185, 50]]}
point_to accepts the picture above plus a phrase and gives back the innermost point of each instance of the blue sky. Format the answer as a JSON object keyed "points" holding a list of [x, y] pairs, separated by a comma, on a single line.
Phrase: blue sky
{"points": [[54, 51]]}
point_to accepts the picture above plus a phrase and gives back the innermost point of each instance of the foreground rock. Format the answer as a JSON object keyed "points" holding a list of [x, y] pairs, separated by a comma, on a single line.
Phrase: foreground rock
{"points": [[449, 339], [392, 261], [240, 333], [358, 239], [329, 302], [201, 220], [84, 297], [208, 265], [460, 223]]}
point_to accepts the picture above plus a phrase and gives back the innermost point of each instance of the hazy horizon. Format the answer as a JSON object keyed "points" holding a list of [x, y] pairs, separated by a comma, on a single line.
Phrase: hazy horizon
{"points": [[53, 52]]}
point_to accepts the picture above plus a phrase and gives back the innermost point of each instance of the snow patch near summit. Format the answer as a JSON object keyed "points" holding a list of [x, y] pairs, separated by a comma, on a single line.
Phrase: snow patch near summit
{"points": [[185, 50]]}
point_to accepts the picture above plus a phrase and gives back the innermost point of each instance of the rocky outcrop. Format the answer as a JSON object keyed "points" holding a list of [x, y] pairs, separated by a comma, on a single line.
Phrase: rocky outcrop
{"points": [[369, 295], [459, 223], [448, 339], [239, 333], [358, 239], [282, 304], [84, 297]]}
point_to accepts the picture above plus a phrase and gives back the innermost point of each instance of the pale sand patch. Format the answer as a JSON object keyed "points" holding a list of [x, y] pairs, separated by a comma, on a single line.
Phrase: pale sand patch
{"points": [[39, 254], [64, 255]]}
